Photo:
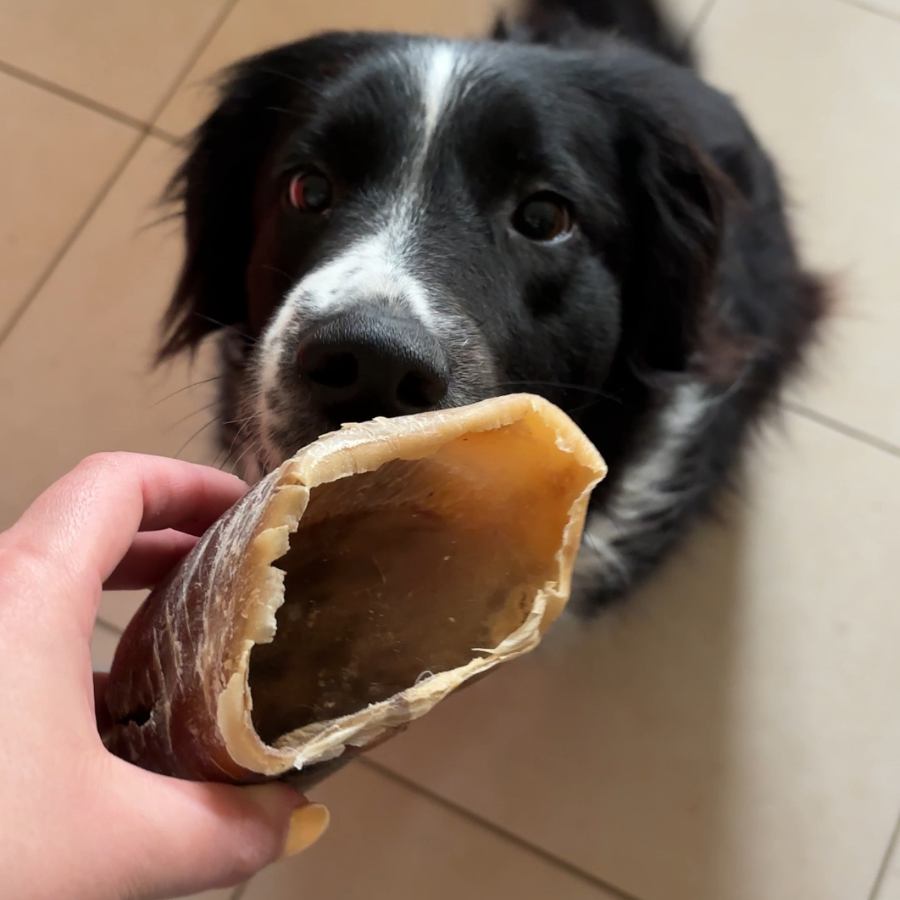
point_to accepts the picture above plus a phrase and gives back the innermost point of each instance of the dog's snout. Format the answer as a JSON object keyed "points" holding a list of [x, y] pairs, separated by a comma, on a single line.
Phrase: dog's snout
{"points": [[358, 366]]}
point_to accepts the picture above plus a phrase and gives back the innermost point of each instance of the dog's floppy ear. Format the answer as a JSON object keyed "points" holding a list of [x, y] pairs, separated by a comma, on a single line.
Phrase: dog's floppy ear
{"points": [[216, 183], [674, 199]]}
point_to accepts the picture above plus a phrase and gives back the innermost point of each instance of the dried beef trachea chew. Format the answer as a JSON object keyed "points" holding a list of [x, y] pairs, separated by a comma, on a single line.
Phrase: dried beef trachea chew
{"points": [[352, 589]]}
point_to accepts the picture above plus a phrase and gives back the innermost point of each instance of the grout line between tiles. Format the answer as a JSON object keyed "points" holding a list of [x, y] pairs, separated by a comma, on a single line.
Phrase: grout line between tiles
{"points": [[846, 430], [885, 862], [73, 96], [109, 626], [875, 10], [191, 61], [105, 626], [162, 135], [240, 890], [496, 830], [7, 327], [700, 20], [689, 40]]}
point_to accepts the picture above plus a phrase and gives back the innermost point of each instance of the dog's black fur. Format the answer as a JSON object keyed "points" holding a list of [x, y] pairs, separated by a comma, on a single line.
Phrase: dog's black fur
{"points": [[664, 321]]}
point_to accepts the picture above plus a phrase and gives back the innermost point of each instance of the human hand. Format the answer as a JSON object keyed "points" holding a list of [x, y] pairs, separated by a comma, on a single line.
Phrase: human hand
{"points": [[75, 821]]}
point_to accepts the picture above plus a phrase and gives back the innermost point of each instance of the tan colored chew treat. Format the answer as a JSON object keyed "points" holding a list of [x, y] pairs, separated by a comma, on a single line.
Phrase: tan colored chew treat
{"points": [[353, 589]]}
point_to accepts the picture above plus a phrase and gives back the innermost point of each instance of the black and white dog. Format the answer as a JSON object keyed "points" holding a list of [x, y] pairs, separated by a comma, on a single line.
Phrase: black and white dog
{"points": [[381, 224]]}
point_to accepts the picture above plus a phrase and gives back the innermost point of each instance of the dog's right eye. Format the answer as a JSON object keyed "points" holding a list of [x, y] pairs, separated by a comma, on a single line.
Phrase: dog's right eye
{"points": [[310, 192], [543, 217]]}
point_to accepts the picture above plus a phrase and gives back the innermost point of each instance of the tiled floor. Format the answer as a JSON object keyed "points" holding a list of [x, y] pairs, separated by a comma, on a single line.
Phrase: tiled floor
{"points": [[734, 734]]}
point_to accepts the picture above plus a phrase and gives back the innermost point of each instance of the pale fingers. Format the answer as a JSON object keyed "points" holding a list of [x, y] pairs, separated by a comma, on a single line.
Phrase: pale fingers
{"points": [[85, 523]]}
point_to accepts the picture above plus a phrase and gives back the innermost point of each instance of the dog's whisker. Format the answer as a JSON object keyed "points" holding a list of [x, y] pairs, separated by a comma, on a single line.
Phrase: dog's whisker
{"points": [[241, 421], [196, 434], [281, 109], [215, 462], [277, 271], [247, 449], [237, 462], [187, 387], [591, 542], [163, 219], [585, 389], [582, 407], [237, 436], [221, 324], [191, 415]]}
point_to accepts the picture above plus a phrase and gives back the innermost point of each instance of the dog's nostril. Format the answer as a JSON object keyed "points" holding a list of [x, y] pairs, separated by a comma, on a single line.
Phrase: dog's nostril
{"points": [[337, 370], [421, 391]]}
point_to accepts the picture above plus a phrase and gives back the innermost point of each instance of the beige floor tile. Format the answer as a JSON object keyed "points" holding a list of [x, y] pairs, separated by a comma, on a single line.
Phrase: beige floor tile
{"points": [[103, 647], [117, 607], [684, 13], [74, 373], [54, 158], [389, 842], [734, 733], [888, 7], [889, 889], [126, 55], [255, 25], [820, 81]]}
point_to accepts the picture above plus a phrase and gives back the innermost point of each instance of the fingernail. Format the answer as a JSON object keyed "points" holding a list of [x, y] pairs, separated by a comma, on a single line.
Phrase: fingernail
{"points": [[308, 824]]}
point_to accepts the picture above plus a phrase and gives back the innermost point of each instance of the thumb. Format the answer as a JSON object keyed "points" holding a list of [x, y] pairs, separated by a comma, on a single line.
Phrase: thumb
{"points": [[180, 837]]}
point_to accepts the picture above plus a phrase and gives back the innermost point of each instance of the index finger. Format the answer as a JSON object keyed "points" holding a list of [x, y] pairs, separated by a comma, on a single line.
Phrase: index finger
{"points": [[85, 523]]}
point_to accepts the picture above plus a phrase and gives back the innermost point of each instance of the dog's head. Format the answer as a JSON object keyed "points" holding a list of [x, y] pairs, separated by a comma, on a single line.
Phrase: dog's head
{"points": [[387, 224]]}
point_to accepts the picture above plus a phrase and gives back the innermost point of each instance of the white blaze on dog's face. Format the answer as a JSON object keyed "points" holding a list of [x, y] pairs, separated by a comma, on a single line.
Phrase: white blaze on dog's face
{"points": [[377, 268]]}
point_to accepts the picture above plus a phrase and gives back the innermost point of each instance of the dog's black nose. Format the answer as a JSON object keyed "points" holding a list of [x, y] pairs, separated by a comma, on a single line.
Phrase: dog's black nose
{"points": [[358, 366]]}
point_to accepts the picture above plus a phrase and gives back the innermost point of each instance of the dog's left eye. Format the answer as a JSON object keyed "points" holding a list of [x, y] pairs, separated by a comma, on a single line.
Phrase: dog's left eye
{"points": [[543, 217], [311, 192]]}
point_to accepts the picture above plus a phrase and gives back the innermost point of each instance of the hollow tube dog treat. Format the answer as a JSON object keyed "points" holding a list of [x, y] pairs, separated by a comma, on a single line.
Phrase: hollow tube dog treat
{"points": [[351, 590]]}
